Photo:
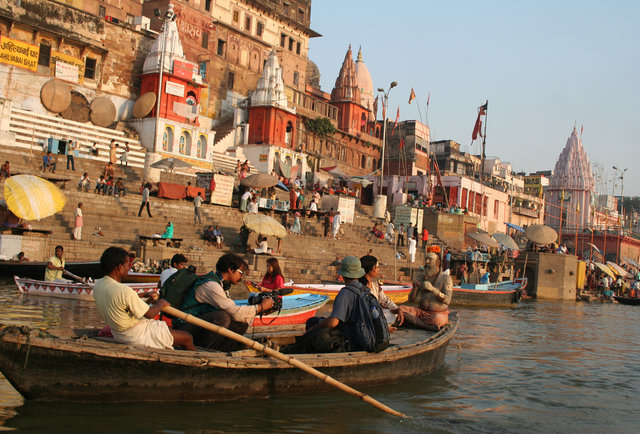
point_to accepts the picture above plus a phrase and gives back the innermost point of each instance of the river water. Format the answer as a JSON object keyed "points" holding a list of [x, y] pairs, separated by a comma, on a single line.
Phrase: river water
{"points": [[542, 367]]}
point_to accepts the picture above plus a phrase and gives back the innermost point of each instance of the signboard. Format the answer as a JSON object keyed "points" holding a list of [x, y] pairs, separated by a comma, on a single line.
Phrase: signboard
{"points": [[183, 70], [18, 53], [263, 158], [406, 215], [345, 204], [224, 190], [66, 72], [57, 57], [176, 89]]}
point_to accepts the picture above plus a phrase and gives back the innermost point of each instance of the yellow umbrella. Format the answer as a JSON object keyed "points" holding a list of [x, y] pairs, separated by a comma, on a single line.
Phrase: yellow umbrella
{"points": [[605, 269], [264, 225], [617, 269], [32, 198]]}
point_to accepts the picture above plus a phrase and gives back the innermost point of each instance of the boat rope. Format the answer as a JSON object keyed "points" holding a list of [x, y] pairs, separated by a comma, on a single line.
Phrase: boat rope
{"points": [[20, 331]]}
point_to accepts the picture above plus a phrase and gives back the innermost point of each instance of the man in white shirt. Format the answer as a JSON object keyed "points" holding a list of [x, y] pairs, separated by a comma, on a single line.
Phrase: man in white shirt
{"points": [[130, 318], [178, 262], [197, 210], [412, 249], [336, 225], [252, 206], [210, 301], [244, 200]]}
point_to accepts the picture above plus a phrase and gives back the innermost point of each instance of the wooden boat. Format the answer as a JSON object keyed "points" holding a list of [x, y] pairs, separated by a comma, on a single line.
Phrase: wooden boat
{"points": [[134, 277], [74, 291], [397, 293], [56, 366], [296, 309], [632, 301], [505, 293], [35, 270]]}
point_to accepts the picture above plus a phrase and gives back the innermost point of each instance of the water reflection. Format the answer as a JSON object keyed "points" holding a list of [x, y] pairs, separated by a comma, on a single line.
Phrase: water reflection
{"points": [[565, 366]]}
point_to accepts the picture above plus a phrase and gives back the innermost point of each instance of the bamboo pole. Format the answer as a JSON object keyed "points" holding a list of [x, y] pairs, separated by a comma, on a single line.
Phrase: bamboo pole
{"points": [[283, 357]]}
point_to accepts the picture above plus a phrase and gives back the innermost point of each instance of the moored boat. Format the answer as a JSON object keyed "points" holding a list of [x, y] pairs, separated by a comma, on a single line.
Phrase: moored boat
{"points": [[134, 277], [35, 270], [63, 368], [71, 290], [296, 309], [397, 293], [502, 294], [632, 301]]}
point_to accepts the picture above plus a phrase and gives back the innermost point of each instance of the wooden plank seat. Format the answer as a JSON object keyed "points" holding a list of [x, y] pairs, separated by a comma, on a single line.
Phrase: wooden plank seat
{"points": [[171, 242]]}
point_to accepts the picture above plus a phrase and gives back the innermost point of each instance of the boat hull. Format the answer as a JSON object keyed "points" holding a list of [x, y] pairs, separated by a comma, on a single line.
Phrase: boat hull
{"points": [[628, 300], [141, 278], [63, 369], [73, 291], [505, 294], [296, 309], [397, 293]]}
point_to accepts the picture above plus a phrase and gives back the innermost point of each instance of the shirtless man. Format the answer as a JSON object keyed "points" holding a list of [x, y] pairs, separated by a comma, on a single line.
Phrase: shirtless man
{"points": [[434, 296]]}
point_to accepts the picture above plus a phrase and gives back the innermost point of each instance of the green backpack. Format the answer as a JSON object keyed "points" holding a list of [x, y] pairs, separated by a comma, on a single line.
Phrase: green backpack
{"points": [[177, 286]]}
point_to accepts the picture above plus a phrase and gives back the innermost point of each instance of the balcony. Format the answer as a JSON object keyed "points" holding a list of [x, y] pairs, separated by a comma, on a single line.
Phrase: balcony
{"points": [[534, 213]]}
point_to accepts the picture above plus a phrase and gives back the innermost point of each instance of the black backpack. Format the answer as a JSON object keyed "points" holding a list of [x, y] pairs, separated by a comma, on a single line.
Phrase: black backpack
{"points": [[371, 328]]}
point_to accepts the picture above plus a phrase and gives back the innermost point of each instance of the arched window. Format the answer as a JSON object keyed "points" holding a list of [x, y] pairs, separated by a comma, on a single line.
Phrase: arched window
{"points": [[167, 139], [202, 146], [363, 123], [363, 162], [185, 143]]}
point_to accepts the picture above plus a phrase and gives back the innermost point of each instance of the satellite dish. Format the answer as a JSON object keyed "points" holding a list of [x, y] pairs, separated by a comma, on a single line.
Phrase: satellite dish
{"points": [[144, 105], [103, 112], [55, 95]]}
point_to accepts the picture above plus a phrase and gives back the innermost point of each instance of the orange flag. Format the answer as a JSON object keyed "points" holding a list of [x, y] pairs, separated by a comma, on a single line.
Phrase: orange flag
{"points": [[412, 96]]}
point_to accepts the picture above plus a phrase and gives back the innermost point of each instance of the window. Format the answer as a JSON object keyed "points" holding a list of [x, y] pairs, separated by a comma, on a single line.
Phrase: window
{"points": [[102, 11], [259, 28], [45, 55], [283, 39], [201, 149], [203, 70], [130, 19], [301, 14], [207, 5], [205, 39], [296, 77], [90, 68], [230, 80], [291, 41], [221, 44], [236, 16], [297, 47], [247, 23]]}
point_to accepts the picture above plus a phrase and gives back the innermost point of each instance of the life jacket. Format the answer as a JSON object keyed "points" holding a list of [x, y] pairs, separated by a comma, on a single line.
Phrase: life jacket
{"points": [[371, 331], [191, 305]]}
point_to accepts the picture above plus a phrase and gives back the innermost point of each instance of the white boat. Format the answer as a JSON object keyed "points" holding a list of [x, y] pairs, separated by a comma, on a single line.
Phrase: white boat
{"points": [[71, 290]]}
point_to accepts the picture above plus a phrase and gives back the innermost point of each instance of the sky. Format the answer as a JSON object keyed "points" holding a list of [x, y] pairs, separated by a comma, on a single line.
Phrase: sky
{"points": [[544, 67]]}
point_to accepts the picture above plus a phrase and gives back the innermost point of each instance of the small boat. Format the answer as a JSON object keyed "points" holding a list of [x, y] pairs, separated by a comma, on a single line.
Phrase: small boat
{"points": [[35, 270], [505, 293], [296, 309], [632, 301], [71, 290], [134, 277], [397, 293], [137, 374]]}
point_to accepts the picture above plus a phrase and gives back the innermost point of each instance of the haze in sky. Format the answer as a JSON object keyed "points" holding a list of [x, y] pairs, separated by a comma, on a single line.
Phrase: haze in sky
{"points": [[544, 67]]}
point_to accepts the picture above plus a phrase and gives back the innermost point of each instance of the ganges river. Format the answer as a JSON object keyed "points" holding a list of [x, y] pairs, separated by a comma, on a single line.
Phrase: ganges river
{"points": [[542, 367]]}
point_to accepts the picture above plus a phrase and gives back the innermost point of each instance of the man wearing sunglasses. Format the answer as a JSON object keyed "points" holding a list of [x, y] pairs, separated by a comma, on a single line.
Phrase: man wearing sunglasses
{"points": [[209, 300]]}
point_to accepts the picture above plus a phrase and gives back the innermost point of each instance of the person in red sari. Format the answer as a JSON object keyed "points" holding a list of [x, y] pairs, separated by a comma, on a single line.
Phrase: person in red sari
{"points": [[273, 278]]}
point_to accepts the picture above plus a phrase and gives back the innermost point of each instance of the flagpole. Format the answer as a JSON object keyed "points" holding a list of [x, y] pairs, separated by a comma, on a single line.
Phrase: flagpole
{"points": [[380, 205], [484, 141]]}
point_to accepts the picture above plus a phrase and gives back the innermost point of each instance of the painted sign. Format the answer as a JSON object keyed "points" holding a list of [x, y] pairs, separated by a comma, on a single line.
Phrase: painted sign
{"points": [[66, 72], [18, 53], [69, 60], [175, 89], [224, 190], [183, 69]]}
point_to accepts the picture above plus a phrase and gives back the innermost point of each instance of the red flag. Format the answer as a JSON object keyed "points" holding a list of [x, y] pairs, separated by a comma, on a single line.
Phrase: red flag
{"points": [[477, 129], [395, 124], [412, 96], [581, 130], [401, 142]]}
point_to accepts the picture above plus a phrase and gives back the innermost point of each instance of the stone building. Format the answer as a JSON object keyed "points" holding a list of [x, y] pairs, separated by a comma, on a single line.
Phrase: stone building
{"points": [[407, 149]]}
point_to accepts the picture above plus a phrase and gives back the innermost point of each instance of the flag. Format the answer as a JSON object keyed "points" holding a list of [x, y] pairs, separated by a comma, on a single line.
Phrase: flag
{"points": [[428, 98], [395, 124], [412, 96], [581, 130], [401, 142], [477, 128], [375, 108]]}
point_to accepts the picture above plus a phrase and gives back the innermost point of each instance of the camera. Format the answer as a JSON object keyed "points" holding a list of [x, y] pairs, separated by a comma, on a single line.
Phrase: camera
{"points": [[276, 296]]}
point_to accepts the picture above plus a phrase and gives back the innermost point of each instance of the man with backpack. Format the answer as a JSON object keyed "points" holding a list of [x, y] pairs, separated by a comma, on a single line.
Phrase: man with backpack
{"points": [[433, 295], [357, 322], [208, 299], [178, 262]]}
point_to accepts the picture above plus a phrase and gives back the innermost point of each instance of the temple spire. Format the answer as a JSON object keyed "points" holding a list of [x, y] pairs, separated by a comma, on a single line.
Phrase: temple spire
{"points": [[346, 87]]}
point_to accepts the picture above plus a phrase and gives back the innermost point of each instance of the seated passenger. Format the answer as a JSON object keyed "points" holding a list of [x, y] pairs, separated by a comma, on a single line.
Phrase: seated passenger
{"points": [[130, 318], [370, 280], [433, 295], [273, 278], [209, 300]]}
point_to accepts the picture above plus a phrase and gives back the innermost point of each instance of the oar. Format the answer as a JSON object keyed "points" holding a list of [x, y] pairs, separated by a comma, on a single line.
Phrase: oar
{"points": [[74, 277], [278, 355]]}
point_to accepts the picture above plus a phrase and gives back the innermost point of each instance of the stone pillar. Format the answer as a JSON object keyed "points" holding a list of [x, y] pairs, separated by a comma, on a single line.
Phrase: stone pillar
{"points": [[151, 174]]}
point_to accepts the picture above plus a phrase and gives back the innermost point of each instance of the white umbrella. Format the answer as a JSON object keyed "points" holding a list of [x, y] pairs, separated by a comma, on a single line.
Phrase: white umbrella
{"points": [[171, 163]]}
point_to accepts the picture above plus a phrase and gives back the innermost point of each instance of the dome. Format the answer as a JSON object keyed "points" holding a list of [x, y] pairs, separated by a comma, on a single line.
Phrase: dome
{"points": [[313, 74], [365, 83]]}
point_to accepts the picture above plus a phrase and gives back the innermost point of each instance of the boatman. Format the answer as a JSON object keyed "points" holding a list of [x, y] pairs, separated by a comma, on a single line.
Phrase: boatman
{"points": [[55, 267], [123, 310], [433, 295]]}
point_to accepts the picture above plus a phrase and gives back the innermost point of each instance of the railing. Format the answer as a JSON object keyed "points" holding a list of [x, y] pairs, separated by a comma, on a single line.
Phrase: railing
{"points": [[526, 211]]}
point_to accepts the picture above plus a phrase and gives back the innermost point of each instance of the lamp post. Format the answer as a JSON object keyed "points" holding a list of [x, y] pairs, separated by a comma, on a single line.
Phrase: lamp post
{"points": [[381, 201], [621, 229], [169, 15]]}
